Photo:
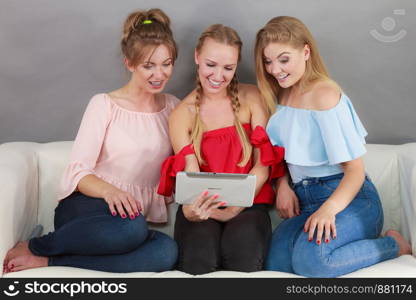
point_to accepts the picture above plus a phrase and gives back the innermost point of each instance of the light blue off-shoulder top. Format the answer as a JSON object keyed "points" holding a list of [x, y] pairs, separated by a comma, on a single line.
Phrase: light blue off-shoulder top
{"points": [[317, 141]]}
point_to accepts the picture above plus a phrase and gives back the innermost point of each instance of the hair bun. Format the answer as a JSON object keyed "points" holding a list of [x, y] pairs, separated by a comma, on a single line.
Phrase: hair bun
{"points": [[138, 18], [157, 15]]}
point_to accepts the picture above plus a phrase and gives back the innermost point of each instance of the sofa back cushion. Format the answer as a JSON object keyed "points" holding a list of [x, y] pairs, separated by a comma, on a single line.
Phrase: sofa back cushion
{"points": [[380, 161]]}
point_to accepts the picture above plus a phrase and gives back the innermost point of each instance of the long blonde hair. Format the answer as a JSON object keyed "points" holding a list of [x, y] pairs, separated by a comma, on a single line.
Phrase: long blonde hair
{"points": [[291, 31], [143, 31], [228, 36]]}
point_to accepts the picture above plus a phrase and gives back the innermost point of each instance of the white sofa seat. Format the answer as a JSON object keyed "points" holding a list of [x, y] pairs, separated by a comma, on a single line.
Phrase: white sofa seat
{"points": [[30, 175]]}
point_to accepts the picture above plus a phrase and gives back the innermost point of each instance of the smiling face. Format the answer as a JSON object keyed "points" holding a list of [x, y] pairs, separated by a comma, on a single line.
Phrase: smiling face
{"points": [[217, 65], [285, 63], [156, 69]]}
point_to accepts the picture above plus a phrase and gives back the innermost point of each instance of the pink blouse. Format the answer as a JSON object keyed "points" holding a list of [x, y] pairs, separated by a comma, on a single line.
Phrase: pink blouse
{"points": [[124, 148]]}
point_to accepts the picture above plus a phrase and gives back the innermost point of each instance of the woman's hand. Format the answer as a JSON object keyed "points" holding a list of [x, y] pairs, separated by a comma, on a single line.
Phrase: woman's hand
{"points": [[121, 201], [323, 221], [349, 186], [226, 214], [287, 203], [202, 208]]}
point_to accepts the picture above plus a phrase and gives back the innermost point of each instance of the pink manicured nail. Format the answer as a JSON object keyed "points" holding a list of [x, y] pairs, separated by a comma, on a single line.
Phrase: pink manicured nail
{"points": [[223, 203], [310, 240], [137, 214], [318, 242], [327, 241], [113, 213], [131, 217], [123, 216], [205, 193], [216, 196]]}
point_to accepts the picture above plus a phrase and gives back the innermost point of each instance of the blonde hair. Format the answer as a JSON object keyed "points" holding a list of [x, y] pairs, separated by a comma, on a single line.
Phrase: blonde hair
{"points": [[228, 36], [144, 31], [291, 31]]}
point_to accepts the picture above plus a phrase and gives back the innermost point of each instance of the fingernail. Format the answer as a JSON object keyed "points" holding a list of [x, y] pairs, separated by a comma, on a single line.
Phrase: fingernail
{"points": [[327, 241], [131, 217], [113, 213], [123, 216], [310, 240], [335, 237], [137, 214], [318, 242], [304, 230], [223, 203], [216, 196], [205, 193]]}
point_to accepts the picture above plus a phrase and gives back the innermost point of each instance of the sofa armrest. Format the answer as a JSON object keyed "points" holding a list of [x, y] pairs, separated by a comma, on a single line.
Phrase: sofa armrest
{"points": [[407, 169], [19, 193]]}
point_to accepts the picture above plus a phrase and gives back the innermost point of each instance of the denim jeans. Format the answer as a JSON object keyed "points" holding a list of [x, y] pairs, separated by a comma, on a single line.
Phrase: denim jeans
{"points": [[87, 236], [358, 226]]}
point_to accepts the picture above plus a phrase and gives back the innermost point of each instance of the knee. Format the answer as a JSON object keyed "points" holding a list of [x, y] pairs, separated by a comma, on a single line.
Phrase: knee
{"points": [[168, 252], [245, 250], [198, 260], [130, 234], [278, 260], [310, 260], [243, 257], [243, 263]]}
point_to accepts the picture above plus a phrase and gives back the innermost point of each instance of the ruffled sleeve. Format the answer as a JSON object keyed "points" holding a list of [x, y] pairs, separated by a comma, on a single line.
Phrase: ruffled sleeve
{"points": [[172, 165], [342, 132], [269, 155], [87, 145]]}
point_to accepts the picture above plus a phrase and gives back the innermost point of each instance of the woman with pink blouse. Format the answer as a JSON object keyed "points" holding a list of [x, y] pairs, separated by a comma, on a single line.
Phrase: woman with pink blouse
{"points": [[109, 189]]}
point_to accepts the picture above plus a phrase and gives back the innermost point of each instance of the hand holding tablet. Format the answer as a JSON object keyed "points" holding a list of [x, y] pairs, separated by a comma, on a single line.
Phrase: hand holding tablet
{"points": [[233, 189], [202, 208]]}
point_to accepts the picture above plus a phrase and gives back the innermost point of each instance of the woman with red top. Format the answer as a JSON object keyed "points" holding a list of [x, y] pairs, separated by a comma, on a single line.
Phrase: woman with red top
{"points": [[219, 127]]}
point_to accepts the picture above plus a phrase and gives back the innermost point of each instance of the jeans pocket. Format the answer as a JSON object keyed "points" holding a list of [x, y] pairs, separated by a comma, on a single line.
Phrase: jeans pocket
{"points": [[330, 185], [321, 191]]}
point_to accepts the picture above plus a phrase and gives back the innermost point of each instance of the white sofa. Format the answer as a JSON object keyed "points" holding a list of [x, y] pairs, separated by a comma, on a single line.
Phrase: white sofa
{"points": [[30, 174]]}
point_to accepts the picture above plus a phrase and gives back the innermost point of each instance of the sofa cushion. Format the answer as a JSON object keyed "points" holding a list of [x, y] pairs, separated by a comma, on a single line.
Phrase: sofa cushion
{"points": [[381, 164], [403, 266]]}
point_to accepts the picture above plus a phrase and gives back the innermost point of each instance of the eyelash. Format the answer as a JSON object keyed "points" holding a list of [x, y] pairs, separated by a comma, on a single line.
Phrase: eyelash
{"points": [[267, 62], [227, 68], [148, 67]]}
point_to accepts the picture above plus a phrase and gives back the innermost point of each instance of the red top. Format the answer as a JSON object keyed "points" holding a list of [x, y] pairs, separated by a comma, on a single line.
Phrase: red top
{"points": [[222, 151]]}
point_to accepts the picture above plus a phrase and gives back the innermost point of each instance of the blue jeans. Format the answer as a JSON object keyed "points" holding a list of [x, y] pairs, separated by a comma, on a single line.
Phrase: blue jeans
{"points": [[87, 236], [356, 246]]}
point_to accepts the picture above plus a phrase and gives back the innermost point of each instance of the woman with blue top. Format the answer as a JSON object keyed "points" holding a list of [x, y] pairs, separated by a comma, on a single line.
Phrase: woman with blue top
{"points": [[332, 211]]}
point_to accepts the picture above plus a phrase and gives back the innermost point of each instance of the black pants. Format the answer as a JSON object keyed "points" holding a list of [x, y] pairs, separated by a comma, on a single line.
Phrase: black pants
{"points": [[241, 244]]}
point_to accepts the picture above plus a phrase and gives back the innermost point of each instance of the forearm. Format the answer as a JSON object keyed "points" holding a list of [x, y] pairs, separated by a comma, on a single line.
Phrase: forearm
{"points": [[93, 186], [191, 163], [347, 189], [262, 174], [284, 180]]}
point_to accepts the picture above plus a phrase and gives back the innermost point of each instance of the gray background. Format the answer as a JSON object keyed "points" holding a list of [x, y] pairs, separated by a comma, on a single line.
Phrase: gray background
{"points": [[55, 55]]}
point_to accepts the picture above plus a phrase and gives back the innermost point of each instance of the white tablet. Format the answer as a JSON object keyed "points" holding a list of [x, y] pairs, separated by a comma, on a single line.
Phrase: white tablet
{"points": [[234, 189]]}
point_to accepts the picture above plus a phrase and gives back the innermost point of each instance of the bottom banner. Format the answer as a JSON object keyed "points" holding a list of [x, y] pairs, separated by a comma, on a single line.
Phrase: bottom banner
{"points": [[217, 288]]}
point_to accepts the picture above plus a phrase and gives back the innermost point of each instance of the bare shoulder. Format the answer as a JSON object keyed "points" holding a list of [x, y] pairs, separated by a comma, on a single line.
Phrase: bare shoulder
{"points": [[324, 95], [184, 111], [172, 99], [249, 94], [246, 90]]}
